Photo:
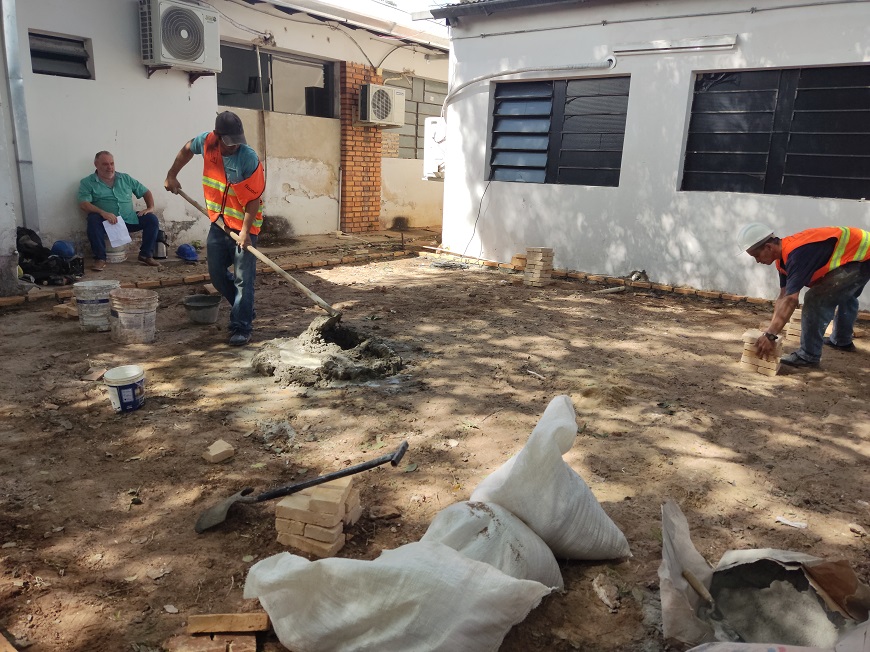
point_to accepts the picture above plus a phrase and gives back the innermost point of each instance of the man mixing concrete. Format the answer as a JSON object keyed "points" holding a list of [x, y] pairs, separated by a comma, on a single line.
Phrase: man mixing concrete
{"points": [[232, 181], [834, 262]]}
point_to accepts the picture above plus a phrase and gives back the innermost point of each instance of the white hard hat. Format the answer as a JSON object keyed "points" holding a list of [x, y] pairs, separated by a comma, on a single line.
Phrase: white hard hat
{"points": [[753, 234]]}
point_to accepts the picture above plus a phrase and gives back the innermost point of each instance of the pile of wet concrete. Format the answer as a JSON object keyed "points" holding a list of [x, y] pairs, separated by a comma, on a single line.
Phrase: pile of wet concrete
{"points": [[326, 354]]}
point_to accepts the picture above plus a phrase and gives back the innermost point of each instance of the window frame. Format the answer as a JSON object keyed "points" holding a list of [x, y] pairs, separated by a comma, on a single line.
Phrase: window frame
{"points": [[60, 55], [780, 131], [559, 131]]}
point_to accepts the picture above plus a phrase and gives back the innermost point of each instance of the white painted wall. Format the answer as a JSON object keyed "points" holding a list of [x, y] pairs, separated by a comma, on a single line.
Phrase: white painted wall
{"points": [[646, 223], [404, 194], [144, 122]]}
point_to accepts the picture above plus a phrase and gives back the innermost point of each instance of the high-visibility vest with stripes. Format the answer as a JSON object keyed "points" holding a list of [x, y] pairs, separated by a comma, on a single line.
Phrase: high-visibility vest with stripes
{"points": [[214, 185], [853, 245]]}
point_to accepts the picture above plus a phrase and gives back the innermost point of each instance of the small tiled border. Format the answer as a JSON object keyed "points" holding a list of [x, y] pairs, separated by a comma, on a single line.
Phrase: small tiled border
{"points": [[599, 279], [66, 292]]}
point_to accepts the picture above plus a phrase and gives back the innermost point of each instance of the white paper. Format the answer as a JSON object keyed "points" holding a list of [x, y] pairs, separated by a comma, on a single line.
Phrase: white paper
{"points": [[117, 232]]}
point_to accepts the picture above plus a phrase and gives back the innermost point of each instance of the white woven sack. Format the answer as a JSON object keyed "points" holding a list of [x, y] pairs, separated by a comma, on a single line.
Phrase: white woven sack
{"points": [[422, 596], [539, 487], [491, 534]]}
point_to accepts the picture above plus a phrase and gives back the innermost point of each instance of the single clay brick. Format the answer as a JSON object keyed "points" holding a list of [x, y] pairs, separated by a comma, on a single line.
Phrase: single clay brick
{"points": [[324, 534], [222, 623], [352, 500], [210, 289], [289, 526], [759, 362], [169, 282], [686, 291], [317, 548], [11, 301], [707, 294], [284, 510], [760, 370], [751, 335], [757, 300], [660, 286], [732, 297], [219, 451], [352, 515], [184, 643]]}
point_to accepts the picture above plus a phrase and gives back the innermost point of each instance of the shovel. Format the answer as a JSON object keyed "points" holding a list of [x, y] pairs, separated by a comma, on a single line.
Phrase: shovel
{"points": [[710, 612], [261, 256], [218, 514]]}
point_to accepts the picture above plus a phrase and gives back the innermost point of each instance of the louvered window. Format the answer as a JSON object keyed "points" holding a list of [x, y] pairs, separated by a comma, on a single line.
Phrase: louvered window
{"points": [[781, 132], [561, 131], [62, 56]]}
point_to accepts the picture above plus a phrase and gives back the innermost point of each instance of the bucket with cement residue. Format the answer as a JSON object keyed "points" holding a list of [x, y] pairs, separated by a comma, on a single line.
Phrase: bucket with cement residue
{"points": [[116, 254], [133, 316], [92, 303], [202, 308], [126, 387]]}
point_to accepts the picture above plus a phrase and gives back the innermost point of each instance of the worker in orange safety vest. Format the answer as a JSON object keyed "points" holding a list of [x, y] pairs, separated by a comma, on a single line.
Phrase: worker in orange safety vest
{"points": [[233, 182], [834, 263]]}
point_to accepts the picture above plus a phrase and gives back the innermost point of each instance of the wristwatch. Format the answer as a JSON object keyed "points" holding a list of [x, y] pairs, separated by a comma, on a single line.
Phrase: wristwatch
{"points": [[770, 336]]}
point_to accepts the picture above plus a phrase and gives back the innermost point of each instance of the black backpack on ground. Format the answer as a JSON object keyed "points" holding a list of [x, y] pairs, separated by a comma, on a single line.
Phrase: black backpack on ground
{"points": [[41, 265]]}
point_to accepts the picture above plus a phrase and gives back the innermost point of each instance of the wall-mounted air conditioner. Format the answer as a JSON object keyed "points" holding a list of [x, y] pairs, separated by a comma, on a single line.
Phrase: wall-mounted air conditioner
{"points": [[179, 34], [381, 106], [434, 148]]}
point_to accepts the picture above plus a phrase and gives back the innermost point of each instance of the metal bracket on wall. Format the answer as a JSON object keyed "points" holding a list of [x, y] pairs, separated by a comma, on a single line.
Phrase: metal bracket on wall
{"points": [[191, 76]]}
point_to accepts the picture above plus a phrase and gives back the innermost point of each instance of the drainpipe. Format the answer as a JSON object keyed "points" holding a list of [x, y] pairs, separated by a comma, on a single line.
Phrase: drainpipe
{"points": [[18, 112]]}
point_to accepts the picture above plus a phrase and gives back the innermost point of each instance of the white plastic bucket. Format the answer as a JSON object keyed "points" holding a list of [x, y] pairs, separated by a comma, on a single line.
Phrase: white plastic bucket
{"points": [[126, 387], [92, 302], [133, 315], [116, 254]]}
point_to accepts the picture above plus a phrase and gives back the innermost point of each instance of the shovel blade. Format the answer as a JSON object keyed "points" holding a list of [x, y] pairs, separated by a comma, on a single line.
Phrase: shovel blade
{"points": [[217, 514]]}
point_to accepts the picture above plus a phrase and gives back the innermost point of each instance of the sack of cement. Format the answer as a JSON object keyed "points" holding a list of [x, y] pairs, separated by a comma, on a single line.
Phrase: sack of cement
{"points": [[423, 596], [539, 487], [491, 534]]}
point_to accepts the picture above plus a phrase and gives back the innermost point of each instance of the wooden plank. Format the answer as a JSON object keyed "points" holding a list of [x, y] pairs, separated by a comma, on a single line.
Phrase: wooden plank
{"points": [[223, 623]]}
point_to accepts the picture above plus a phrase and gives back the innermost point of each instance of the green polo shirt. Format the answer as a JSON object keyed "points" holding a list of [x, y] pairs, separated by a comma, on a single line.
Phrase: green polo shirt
{"points": [[118, 199]]}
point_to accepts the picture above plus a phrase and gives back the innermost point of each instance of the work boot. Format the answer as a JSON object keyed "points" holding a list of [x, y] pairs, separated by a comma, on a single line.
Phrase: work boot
{"points": [[794, 360], [240, 339], [147, 260], [842, 347], [99, 265]]}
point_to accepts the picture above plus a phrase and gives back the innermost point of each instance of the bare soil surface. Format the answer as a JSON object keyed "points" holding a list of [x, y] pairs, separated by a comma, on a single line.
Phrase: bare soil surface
{"points": [[97, 508]]}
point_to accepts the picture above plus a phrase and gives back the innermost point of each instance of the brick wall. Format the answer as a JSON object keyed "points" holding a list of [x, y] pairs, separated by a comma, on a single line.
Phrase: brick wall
{"points": [[390, 144], [360, 155]]}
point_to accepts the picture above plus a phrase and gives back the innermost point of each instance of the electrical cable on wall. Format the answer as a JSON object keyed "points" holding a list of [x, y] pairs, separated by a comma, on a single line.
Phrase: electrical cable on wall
{"points": [[474, 228]]}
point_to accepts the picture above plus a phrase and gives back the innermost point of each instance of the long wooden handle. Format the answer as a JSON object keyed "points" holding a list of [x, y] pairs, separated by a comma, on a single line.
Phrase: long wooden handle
{"points": [[261, 256]]}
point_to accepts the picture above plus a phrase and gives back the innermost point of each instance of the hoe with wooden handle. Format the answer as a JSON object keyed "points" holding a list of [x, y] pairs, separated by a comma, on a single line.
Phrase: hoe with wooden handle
{"points": [[261, 256]]}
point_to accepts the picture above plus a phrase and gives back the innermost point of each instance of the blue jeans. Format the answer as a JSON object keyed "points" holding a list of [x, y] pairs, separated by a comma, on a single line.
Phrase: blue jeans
{"points": [[835, 298], [148, 224], [237, 286]]}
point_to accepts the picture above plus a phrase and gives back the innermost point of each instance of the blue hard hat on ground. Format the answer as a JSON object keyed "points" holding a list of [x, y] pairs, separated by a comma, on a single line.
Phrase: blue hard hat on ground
{"points": [[187, 252], [63, 248]]}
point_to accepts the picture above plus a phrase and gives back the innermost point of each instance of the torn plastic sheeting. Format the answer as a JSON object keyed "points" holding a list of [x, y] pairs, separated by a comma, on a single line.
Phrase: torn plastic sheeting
{"points": [[767, 596]]}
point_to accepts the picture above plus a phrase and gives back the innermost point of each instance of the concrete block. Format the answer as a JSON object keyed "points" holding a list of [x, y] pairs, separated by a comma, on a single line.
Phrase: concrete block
{"points": [[316, 548], [289, 526], [218, 452], [323, 534]]}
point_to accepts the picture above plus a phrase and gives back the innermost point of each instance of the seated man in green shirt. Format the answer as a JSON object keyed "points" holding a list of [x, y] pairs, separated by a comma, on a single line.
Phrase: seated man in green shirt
{"points": [[104, 196]]}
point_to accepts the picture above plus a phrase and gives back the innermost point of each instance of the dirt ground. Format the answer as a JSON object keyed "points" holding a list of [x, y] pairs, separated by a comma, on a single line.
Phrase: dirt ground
{"points": [[97, 509]]}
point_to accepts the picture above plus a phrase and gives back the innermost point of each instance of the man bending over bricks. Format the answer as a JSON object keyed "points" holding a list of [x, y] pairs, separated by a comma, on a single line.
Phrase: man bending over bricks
{"points": [[834, 263], [105, 196]]}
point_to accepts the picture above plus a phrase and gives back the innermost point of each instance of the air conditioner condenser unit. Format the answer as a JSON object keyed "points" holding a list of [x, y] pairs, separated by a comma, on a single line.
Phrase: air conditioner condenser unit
{"points": [[381, 106], [179, 34]]}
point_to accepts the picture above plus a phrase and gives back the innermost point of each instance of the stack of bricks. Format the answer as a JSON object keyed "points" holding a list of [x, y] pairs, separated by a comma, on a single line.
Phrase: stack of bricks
{"points": [[761, 364], [793, 328], [539, 267], [313, 519]]}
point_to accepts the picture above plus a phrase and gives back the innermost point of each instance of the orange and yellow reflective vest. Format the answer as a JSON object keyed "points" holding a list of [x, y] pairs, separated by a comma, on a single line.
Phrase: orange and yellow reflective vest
{"points": [[853, 245], [214, 187]]}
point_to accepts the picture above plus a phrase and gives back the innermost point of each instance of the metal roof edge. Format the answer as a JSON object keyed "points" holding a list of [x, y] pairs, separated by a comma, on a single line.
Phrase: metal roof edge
{"points": [[486, 7], [357, 19]]}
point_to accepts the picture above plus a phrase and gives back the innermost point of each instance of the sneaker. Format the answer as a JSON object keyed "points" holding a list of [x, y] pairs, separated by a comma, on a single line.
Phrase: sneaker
{"points": [[794, 360], [99, 265], [843, 347], [240, 339], [147, 260]]}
